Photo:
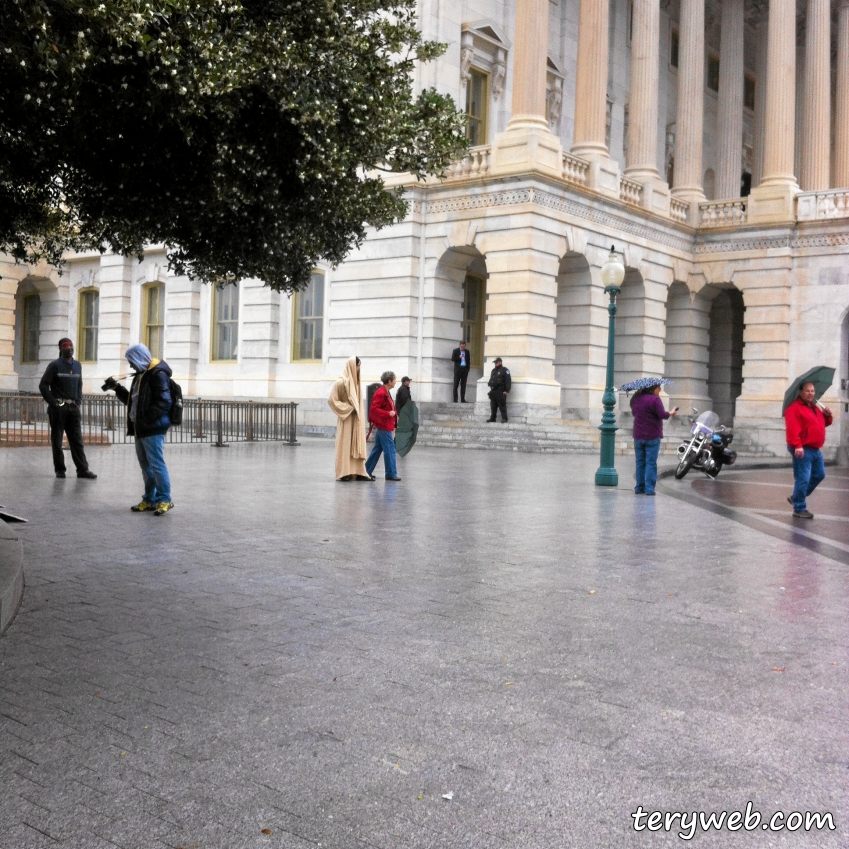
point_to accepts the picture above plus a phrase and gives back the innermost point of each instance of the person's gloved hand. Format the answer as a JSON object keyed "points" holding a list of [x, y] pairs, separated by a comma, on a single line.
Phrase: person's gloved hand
{"points": [[109, 383]]}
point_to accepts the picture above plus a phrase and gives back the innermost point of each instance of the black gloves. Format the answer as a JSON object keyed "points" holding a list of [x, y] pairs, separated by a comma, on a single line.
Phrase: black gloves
{"points": [[110, 383]]}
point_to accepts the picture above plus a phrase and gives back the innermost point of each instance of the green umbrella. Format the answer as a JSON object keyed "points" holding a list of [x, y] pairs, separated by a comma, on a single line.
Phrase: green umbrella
{"points": [[407, 428], [821, 376]]}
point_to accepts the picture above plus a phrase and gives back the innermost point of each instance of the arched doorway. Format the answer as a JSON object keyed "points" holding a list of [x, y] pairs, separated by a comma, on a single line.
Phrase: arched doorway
{"points": [[459, 313], [725, 360]]}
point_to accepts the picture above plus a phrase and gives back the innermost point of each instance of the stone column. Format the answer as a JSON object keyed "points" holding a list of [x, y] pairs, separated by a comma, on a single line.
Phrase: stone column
{"points": [[642, 105], [840, 178], [182, 330], [691, 87], [529, 63], [259, 335], [521, 309], [528, 144], [816, 112], [591, 80], [773, 200], [760, 103], [114, 332], [591, 96], [11, 275], [731, 81], [767, 295]]}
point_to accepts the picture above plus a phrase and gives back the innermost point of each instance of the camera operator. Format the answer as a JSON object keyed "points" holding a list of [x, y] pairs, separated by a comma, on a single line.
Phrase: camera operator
{"points": [[148, 403]]}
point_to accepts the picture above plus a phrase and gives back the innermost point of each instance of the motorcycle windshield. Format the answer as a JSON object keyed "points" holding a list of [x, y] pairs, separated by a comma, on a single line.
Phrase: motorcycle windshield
{"points": [[709, 419]]}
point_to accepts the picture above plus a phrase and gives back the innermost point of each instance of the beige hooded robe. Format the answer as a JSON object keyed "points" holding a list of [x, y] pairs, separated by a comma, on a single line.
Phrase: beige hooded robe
{"points": [[346, 401]]}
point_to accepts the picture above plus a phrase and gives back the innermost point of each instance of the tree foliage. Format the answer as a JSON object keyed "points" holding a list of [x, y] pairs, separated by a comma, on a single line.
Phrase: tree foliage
{"points": [[245, 135]]}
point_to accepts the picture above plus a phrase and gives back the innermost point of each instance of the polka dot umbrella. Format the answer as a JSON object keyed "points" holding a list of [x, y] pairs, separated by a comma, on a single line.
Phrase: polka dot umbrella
{"points": [[644, 383]]}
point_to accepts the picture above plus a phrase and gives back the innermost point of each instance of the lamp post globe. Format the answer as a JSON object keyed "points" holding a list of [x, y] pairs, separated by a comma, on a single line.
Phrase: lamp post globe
{"points": [[612, 275]]}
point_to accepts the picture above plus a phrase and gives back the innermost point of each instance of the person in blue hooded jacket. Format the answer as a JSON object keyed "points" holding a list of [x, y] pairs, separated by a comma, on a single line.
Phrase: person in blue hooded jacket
{"points": [[148, 402]]}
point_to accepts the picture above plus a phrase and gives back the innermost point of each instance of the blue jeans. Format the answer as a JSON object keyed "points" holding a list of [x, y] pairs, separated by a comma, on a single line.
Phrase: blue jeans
{"points": [[808, 472], [157, 484], [385, 444], [646, 451]]}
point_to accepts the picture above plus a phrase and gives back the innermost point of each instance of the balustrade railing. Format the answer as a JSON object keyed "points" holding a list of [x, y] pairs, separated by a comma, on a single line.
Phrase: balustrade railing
{"points": [[474, 164], [575, 169], [818, 206], [722, 213], [630, 191], [679, 210], [103, 418]]}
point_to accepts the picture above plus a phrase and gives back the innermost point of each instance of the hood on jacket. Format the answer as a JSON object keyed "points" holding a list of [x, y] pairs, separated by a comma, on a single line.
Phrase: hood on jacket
{"points": [[139, 357]]}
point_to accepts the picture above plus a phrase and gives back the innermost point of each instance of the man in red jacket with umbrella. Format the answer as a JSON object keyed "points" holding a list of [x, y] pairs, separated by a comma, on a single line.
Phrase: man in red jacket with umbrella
{"points": [[806, 422]]}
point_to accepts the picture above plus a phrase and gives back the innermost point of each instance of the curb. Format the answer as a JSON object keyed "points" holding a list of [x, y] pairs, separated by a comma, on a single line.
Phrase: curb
{"points": [[11, 576]]}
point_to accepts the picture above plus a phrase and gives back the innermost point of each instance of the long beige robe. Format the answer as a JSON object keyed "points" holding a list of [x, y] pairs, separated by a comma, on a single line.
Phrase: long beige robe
{"points": [[346, 400]]}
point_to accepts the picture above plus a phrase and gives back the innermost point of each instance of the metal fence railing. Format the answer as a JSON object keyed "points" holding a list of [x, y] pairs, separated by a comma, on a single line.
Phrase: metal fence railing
{"points": [[23, 421]]}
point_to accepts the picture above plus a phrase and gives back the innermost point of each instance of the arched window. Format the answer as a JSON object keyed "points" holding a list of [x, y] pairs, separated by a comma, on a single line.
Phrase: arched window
{"points": [[225, 322], [153, 326], [88, 318], [308, 324], [31, 328]]}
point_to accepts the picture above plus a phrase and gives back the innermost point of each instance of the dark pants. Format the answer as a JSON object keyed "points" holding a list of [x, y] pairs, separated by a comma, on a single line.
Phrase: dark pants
{"points": [[460, 378], [498, 401], [66, 419]]}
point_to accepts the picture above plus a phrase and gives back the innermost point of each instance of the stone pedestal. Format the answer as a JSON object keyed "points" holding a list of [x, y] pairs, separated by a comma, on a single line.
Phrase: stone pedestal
{"points": [[772, 204], [527, 146]]}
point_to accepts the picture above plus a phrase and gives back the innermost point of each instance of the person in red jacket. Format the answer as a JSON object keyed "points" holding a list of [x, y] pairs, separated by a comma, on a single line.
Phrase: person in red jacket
{"points": [[383, 416], [805, 423]]}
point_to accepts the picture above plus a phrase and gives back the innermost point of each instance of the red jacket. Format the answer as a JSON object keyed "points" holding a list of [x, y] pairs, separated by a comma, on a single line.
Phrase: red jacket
{"points": [[381, 406], [805, 425]]}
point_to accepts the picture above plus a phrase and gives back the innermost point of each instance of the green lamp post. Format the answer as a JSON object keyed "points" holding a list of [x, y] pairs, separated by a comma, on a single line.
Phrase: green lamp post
{"points": [[612, 275]]}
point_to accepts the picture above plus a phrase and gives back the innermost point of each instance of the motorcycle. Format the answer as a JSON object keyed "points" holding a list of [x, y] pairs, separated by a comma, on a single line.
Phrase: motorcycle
{"points": [[707, 448]]}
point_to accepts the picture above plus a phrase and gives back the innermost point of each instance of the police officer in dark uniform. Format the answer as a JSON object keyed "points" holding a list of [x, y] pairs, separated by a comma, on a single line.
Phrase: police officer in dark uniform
{"points": [[499, 386], [62, 389]]}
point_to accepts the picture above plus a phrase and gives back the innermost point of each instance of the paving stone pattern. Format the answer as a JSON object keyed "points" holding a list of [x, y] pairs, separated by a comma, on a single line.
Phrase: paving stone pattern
{"points": [[324, 661]]}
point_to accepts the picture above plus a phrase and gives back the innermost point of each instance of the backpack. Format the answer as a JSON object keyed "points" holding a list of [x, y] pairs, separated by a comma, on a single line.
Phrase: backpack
{"points": [[370, 390], [175, 413]]}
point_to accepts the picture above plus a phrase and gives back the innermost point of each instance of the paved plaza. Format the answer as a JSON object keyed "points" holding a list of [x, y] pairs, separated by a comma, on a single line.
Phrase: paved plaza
{"points": [[287, 661]]}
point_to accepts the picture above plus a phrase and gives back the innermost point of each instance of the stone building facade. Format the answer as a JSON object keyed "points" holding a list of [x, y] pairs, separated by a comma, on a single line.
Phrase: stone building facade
{"points": [[707, 141]]}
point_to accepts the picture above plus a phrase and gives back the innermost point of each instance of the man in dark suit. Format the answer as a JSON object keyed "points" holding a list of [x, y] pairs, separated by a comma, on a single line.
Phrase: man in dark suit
{"points": [[462, 365]]}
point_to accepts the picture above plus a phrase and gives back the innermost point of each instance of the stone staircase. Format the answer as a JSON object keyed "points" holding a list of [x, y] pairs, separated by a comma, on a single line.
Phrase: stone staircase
{"points": [[462, 426]]}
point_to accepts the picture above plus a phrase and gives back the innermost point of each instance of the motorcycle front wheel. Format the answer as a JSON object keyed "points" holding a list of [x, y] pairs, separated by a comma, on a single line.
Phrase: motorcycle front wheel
{"points": [[685, 465]]}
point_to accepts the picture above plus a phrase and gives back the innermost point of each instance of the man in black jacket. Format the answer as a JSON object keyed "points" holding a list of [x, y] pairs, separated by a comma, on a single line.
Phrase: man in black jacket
{"points": [[462, 365], [62, 388], [403, 393], [148, 402], [499, 387]]}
